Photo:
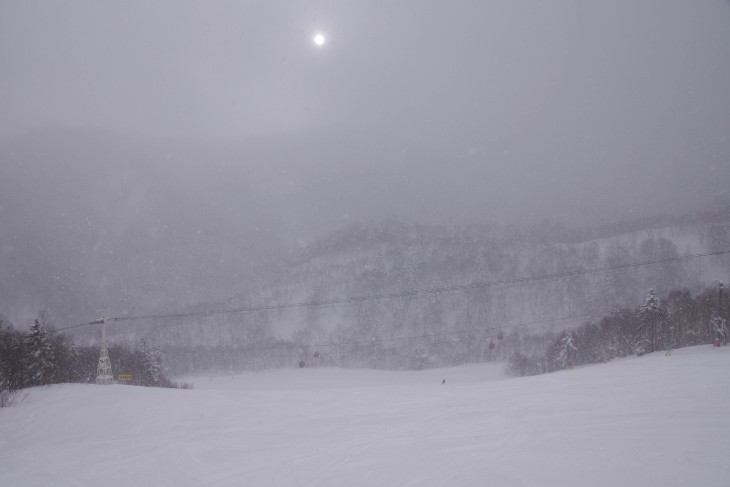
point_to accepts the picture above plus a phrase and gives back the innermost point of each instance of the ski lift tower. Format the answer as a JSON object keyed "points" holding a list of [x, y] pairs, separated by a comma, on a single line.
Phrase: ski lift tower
{"points": [[104, 369]]}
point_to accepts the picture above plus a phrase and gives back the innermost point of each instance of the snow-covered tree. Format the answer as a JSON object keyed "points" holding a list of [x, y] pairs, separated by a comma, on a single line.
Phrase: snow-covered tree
{"points": [[566, 350], [12, 352], [39, 359], [720, 328], [65, 358], [150, 364], [652, 322]]}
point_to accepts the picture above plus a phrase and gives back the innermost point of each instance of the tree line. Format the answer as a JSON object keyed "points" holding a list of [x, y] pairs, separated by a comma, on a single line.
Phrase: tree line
{"points": [[679, 320], [42, 356], [392, 257]]}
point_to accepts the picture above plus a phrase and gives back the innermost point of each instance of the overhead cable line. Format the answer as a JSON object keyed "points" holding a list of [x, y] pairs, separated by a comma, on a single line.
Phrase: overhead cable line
{"points": [[459, 288], [366, 342], [95, 322]]}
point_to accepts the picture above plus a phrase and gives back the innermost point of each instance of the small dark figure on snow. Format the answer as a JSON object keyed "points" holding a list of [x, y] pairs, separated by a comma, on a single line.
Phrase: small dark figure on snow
{"points": [[443, 381]]}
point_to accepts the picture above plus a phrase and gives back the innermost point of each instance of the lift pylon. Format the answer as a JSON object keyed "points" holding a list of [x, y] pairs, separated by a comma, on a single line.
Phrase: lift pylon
{"points": [[104, 369]]}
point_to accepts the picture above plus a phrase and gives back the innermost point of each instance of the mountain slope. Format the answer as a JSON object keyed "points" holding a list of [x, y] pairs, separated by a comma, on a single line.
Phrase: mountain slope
{"points": [[653, 420], [392, 330], [95, 220]]}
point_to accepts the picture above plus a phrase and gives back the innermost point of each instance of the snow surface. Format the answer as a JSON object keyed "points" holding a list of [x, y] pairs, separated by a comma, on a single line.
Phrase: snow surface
{"points": [[650, 421]]}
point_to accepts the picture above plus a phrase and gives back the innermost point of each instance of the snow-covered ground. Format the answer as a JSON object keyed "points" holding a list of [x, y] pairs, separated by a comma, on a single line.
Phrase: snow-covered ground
{"points": [[650, 421]]}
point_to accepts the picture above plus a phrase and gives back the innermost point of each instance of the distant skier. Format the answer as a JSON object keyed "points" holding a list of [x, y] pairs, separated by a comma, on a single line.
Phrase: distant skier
{"points": [[443, 382]]}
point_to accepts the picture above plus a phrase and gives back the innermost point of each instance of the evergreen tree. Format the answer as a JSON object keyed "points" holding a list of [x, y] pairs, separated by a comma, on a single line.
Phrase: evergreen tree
{"points": [[145, 364], [681, 312], [151, 366], [652, 322], [12, 351], [40, 366], [74, 355], [719, 328], [65, 358], [567, 349]]}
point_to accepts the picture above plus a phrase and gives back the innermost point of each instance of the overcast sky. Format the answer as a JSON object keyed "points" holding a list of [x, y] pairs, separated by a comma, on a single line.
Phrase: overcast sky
{"points": [[235, 68], [547, 106], [513, 111]]}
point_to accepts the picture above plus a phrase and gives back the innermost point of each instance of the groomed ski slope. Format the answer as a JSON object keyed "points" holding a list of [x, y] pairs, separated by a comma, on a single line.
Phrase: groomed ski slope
{"points": [[649, 421]]}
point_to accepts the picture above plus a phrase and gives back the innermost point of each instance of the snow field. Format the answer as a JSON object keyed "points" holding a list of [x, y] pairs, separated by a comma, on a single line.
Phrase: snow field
{"points": [[650, 421]]}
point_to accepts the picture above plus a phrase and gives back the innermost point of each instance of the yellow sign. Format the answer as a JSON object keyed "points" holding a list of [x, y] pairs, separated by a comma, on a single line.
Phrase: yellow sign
{"points": [[124, 377]]}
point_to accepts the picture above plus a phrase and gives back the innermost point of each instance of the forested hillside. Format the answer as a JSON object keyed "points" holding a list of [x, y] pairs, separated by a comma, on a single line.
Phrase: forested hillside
{"points": [[388, 326], [143, 227], [92, 219]]}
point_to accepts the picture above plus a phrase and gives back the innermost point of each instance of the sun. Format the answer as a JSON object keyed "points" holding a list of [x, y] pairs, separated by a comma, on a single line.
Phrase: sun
{"points": [[319, 39]]}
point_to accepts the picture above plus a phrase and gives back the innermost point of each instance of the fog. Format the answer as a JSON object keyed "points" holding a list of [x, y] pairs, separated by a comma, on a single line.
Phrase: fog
{"points": [[348, 225], [237, 125], [571, 102]]}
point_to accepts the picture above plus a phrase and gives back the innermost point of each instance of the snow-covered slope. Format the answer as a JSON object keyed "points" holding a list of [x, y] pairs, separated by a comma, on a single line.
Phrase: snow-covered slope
{"points": [[393, 257], [650, 421]]}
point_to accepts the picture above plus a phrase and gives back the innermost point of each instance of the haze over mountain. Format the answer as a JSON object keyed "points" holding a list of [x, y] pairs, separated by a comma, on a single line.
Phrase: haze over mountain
{"points": [[91, 219], [156, 155]]}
